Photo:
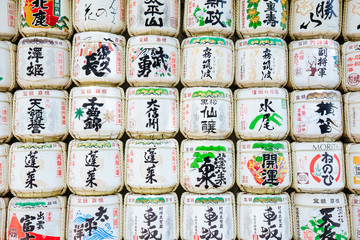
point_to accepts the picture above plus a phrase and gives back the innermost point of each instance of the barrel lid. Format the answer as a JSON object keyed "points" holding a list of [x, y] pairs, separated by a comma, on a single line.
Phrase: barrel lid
{"points": [[93, 144], [263, 146], [54, 42], [143, 143], [151, 92], [307, 95], [5, 45], [354, 200], [140, 199], [260, 41], [152, 39], [318, 200], [206, 92], [314, 42], [99, 37], [316, 146], [256, 93], [208, 145], [219, 199], [89, 201], [99, 91], [263, 199], [352, 148], [5, 97], [351, 46], [4, 150], [208, 40], [36, 203], [40, 93], [352, 97], [21, 147]]}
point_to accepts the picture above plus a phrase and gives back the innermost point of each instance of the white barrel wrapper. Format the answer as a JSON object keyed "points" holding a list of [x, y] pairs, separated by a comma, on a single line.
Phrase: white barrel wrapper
{"points": [[3, 215], [8, 19], [262, 18], [351, 116], [104, 16], [43, 63], [40, 115], [96, 113], [202, 17], [261, 113], [261, 62], [354, 208], [318, 167], [350, 68], [207, 215], [6, 117], [263, 166], [206, 113], [36, 218], [152, 166], [319, 215], [208, 166], [315, 18], [4, 169], [37, 169], [95, 167], [316, 115], [264, 216], [314, 64], [151, 215], [94, 217], [153, 61], [158, 17], [98, 59], [352, 162], [152, 112], [8, 65], [207, 61], [351, 21], [45, 18]]}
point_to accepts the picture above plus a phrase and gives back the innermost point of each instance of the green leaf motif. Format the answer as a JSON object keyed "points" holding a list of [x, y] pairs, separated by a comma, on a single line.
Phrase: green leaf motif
{"points": [[1, 78], [79, 113]]}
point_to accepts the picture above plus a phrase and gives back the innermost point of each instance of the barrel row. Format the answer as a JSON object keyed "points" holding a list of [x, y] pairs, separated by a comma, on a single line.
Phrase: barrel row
{"points": [[253, 216], [308, 19]]}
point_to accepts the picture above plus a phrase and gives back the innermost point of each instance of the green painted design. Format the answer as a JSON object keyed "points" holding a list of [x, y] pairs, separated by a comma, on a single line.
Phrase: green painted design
{"points": [[253, 13], [23, 21], [265, 41], [42, 146], [61, 23], [199, 15], [283, 104], [271, 118], [199, 157], [208, 93], [30, 204], [94, 145], [150, 200], [57, 8], [1, 78], [210, 148], [79, 113], [210, 200], [267, 199], [153, 142], [152, 91], [211, 40], [283, 21], [268, 146]]}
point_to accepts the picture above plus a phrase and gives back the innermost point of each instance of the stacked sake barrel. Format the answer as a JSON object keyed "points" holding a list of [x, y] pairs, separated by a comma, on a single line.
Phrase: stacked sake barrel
{"points": [[262, 121], [319, 206], [152, 105], [8, 34], [350, 75], [207, 162], [37, 164]]}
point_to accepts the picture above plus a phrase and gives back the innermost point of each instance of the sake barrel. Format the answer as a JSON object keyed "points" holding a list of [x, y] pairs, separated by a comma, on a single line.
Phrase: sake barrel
{"points": [[350, 69], [8, 65], [96, 113], [318, 216], [261, 113], [103, 16], [315, 19], [95, 167], [351, 115], [97, 217], [351, 20], [152, 112], [3, 210], [151, 215], [318, 167], [153, 61], [206, 113], [316, 115], [45, 18], [36, 218], [37, 169], [6, 118], [314, 64], [262, 18], [98, 59], [207, 61], [261, 62], [352, 163], [208, 166], [215, 18], [264, 216], [43, 63], [263, 166], [4, 169], [152, 166], [8, 18], [40, 115], [158, 17], [208, 216], [354, 209]]}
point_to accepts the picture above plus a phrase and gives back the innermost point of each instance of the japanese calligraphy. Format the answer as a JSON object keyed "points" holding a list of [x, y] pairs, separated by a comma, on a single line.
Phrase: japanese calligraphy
{"points": [[214, 12], [30, 162], [323, 11], [154, 13], [153, 114], [153, 58], [92, 14], [270, 169], [270, 11], [266, 70], [212, 171], [207, 66], [150, 158], [271, 231], [322, 62], [36, 116], [93, 121], [90, 161], [210, 232], [35, 68], [325, 123], [150, 232], [209, 114], [267, 115], [97, 62], [327, 169]]}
